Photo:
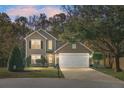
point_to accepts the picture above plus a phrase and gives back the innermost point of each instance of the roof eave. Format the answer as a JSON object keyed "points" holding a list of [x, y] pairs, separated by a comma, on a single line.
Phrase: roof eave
{"points": [[33, 33], [49, 34]]}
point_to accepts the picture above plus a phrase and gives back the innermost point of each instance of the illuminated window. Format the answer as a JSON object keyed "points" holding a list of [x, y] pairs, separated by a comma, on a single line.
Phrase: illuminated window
{"points": [[73, 46], [50, 58], [34, 57], [50, 45], [35, 44]]}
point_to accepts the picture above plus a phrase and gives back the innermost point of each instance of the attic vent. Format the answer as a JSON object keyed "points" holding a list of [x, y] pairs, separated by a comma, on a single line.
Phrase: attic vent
{"points": [[73, 46]]}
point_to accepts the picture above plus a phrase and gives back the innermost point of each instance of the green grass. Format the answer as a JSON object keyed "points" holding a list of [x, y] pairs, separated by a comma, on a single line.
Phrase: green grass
{"points": [[119, 75], [32, 72]]}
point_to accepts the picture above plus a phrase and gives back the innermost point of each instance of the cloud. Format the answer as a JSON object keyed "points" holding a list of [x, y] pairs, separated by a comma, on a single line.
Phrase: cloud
{"points": [[22, 11], [33, 10], [51, 11]]}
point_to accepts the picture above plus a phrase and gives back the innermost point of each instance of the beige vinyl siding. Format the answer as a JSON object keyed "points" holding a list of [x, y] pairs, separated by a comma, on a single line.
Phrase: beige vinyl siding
{"points": [[36, 51]]}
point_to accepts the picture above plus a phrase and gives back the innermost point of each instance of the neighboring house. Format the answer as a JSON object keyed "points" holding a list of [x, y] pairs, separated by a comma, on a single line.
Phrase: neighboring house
{"points": [[42, 43]]}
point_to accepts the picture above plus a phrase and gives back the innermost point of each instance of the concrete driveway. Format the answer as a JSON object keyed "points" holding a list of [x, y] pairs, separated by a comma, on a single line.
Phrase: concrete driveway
{"points": [[89, 74], [74, 78]]}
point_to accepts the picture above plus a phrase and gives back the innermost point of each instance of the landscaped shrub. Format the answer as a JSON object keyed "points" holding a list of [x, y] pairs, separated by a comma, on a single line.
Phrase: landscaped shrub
{"points": [[16, 61], [28, 61], [97, 56], [39, 61], [42, 61]]}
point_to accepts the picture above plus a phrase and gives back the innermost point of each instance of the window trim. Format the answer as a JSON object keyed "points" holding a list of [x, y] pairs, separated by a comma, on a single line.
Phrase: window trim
{"points": [[40, 43]]}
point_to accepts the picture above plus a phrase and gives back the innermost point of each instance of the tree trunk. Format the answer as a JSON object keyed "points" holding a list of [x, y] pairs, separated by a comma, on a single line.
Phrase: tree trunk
{"points": [[110, 61], [117, 64], [104, 60]]}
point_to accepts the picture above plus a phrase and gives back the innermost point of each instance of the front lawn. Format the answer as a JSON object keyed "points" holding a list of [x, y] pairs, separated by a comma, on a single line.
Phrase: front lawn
{"points": [[119, 75], [32, 72]]}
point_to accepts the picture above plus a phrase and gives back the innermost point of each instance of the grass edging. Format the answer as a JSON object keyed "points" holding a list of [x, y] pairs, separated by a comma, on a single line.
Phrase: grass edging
{"points": [[32, 72], [108, 71]]}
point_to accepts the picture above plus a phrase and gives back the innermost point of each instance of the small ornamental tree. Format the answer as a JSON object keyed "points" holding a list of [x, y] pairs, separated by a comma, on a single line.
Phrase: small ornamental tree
{"points": [[16, 61]]}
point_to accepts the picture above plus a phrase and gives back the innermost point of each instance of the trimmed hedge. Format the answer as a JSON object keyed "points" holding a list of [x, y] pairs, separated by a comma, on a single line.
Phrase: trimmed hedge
{"points": [[42, 61], [97, 56]]}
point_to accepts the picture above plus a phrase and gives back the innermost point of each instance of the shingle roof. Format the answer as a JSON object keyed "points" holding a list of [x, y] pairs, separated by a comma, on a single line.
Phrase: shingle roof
{"points": [[44, 33]]}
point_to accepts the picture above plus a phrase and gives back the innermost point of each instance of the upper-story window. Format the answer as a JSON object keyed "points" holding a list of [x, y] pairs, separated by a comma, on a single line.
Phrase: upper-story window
{"points": [[50, 45], [36, 44], [73, 46]]}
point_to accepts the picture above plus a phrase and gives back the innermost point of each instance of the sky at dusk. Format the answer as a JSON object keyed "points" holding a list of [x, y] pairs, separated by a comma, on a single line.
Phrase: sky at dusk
{"points": [[28, 10]]}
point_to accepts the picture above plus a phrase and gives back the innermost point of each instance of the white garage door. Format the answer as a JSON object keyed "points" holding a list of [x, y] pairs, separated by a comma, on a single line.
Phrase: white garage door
{"points": [[74, 60]]}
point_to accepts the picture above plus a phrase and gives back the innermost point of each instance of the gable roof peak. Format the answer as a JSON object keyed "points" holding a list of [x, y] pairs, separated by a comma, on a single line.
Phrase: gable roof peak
{"points": [[35, 32], [76, 43]]}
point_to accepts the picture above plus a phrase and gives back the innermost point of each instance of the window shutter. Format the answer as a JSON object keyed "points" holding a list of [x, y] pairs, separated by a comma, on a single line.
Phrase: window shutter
{"points": [[30, 44], [41, 44]]}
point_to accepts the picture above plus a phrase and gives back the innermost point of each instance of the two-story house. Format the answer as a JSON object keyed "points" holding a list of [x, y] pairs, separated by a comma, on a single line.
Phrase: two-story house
{"points": [[42, 43]]}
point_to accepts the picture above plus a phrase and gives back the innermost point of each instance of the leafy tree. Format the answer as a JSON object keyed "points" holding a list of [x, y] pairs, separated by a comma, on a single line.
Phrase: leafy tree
{"points": [[73, 31], [16, 61], [21, 20], [38, 22], [4, 18], [109, 31], [11, 33], [57, 22], [7, 38], [101, 25], [21, 27]]}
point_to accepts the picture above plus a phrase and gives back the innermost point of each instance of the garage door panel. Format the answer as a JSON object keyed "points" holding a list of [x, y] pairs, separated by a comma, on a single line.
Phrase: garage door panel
{"points": [[74, 60]]}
